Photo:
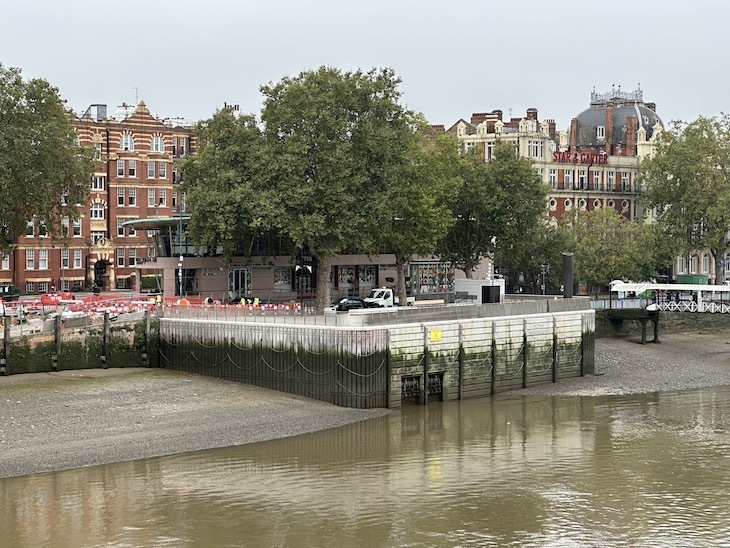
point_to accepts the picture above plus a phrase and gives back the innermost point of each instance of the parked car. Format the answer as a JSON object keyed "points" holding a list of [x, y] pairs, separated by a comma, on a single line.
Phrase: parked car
{"points": [[352, 303]]}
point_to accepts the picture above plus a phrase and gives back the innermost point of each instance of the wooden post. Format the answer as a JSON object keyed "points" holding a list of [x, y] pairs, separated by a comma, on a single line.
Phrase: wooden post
{"points": [[57, 339], [147, 329], [555, 349], [424, 392], [105, 341], [524, 353], [461, 361], [493, 388], [4, 366]]}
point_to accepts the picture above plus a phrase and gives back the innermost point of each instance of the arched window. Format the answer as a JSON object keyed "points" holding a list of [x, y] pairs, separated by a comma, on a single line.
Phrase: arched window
{"points": [[127, 142]]}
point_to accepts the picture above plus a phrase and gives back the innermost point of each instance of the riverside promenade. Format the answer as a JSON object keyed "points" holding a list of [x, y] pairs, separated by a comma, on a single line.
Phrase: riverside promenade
{"points": [[70, 419]]}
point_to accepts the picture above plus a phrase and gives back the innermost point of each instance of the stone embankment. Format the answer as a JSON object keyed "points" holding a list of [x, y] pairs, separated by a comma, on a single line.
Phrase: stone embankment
{"points": [[55, 421]]}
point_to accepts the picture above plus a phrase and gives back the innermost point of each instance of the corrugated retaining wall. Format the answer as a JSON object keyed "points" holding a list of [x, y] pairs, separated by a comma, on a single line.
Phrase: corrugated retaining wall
{"points": [[386, 366]]}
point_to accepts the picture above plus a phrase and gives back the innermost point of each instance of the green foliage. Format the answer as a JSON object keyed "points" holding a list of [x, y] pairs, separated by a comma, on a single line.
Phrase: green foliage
{"points": [[39, 159], [419, 200], [497, 204], [607, 246], [338, 142], [226, 185], [688, 183], [540, 245]]}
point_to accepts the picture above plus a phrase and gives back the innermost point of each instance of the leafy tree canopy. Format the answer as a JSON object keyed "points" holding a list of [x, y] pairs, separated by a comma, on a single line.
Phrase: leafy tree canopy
{"points": [[498, 203], [687, 183], [338, 140], [419, 199], [609, 247], [226, 184], [43, 171]]}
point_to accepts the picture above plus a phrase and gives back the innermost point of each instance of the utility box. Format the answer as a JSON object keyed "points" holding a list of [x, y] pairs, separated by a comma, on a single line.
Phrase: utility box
{"points": [[481, 291]]}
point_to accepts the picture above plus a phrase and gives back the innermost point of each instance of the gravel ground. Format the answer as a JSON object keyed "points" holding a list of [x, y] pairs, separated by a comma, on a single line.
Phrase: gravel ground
{"points": [[69, 419]]}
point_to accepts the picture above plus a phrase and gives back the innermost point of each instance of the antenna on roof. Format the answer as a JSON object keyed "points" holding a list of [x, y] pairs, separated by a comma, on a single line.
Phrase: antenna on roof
{"points": [[136, 96]]}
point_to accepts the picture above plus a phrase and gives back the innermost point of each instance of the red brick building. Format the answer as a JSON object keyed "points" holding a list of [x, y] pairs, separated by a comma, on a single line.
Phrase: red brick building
{"points": [[135, 177]]}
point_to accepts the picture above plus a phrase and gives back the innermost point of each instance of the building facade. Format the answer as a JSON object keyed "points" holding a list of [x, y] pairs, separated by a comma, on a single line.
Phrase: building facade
{"points": [[135, 177], [593, 164]]}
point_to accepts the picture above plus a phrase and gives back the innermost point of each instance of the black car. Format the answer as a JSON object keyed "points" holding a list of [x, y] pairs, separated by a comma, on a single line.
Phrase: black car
{"points": [[351, 303]]}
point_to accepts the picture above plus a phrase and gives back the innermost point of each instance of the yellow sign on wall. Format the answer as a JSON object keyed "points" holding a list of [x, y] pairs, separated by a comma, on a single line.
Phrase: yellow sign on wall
{"points": [[435, 335]]}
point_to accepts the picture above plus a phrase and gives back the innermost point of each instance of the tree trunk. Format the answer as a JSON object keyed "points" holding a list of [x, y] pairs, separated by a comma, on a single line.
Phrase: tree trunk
{"points": [[718, 255], [400, 265], [324, 265]]}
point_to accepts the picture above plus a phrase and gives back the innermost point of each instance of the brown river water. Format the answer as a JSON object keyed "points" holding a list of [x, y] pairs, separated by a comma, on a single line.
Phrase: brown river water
{"points": [[648, 470]]}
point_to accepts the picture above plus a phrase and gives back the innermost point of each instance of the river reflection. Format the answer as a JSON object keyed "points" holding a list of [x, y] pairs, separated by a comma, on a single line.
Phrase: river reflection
{"points": [[650, 470]]}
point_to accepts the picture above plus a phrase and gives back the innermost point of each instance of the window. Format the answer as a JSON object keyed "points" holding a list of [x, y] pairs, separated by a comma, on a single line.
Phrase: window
{"points": [[681, 266], [30, 228], [64, 258], [151, 197], [29, 259], [182, 146], [597, 180], [127, 142], [705, 264], [65, 286], [625, 185], [97, 151], [132, 257], [96, 235], [97, 211], [42, 287], [120, 228], [693, 264], [568, 179], [97, 182], [77, 227], [64, 226], [120, 196], [77, 258], [611, 184], [150, 170], [42, 229], [64, 197], [535, 149], [120, 168], [30, 287], [162, 170], [5, 262], [600, 132], [157, 144], [163, 197], [132, 198], [583, 179], [132, 171], [554, 178], [120, 256], [42, 259]]}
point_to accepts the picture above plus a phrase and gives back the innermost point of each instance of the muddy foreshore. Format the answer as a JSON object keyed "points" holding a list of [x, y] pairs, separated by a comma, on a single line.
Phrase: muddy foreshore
{"points": [[56, 421]]}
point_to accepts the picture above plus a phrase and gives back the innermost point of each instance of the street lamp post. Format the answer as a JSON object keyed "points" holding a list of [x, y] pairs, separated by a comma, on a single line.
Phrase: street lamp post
{"points": [[180, 237], [544, 270]]}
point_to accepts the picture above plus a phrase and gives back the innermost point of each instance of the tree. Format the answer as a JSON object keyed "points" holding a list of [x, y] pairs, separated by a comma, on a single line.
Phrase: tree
{"points": [[541, 245], [608, 246], [419, 201], [337, 140], [226, 184], [44, 173], [688, 184], [497, 204]]}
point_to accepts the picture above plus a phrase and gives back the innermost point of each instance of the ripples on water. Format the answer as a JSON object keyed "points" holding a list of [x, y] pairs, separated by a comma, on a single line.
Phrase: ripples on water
{"points": [[509, 471]]}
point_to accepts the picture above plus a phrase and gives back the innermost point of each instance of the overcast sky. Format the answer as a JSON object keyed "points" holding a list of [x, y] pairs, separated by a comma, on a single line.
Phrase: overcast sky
{"points": [[186, 58]]}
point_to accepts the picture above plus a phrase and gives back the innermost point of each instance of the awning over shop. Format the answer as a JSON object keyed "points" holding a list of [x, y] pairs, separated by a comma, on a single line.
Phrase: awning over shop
{"points": [[153, 223]]}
